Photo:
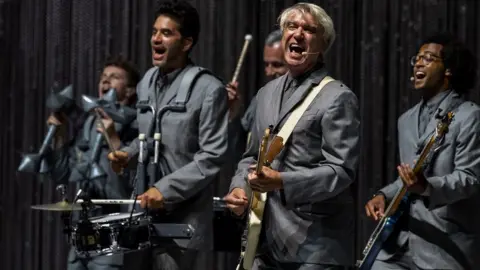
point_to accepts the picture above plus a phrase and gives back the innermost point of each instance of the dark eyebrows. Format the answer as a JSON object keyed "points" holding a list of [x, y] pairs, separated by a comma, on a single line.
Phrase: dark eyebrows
{"points": [[163, 29]]}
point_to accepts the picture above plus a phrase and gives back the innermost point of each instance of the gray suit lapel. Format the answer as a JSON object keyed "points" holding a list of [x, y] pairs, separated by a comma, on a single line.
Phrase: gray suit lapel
{"points": [[277, 98], [151, 86], [415, 114], [300, 94], [432, 124]]}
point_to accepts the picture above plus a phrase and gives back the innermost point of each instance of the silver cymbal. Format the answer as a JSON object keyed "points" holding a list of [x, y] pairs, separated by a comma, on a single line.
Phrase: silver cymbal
{"points": [[59, 206]]}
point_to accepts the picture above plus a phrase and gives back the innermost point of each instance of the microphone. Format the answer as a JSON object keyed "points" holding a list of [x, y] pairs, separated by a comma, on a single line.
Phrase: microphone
{"points": [[77, 196], [412, 78], [307, 53]]}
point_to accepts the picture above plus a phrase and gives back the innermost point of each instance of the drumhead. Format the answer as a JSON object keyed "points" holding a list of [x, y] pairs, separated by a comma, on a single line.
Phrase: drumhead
{"points": [[113, 217]]}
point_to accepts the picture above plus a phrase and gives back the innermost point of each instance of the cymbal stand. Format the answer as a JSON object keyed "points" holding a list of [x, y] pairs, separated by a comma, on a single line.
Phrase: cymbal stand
{"points": [[65, 215]]}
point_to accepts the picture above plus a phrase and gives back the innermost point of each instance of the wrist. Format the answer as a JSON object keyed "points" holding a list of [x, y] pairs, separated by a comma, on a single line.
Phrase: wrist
{"points": [[280, 180], [379, 193], [236, 188]]}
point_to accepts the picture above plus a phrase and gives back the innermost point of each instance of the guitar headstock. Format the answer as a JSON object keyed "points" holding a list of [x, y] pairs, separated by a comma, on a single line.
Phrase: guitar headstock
{"points": [[440, 131], [443, 124]]}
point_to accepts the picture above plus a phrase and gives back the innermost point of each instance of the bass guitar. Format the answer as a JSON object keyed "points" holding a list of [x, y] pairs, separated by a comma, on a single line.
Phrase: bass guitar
{"points": [[400, 201]]}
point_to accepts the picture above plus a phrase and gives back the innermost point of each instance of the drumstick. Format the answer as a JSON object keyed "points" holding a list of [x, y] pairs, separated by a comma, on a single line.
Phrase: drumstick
{"points": [[248, 38], [110, 145], [99, 201]]}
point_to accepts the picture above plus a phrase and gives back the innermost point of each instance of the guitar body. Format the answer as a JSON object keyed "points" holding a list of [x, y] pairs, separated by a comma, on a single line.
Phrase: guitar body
{"points": [[257, 206], [254, 227], [378, 238]]}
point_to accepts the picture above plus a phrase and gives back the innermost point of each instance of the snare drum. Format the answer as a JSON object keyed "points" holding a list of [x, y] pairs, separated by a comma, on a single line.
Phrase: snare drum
{"points": [[111, 233]]}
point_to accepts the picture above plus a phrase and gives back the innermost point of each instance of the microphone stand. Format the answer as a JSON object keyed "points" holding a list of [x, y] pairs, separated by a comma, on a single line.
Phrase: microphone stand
{"points": [[141, 173], [65, 216], [144, 157], [157, 138], [84, 229]]}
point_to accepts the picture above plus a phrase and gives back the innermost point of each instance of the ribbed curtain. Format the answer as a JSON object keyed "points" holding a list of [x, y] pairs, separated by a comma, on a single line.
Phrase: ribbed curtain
{"points": [[52, 43]]}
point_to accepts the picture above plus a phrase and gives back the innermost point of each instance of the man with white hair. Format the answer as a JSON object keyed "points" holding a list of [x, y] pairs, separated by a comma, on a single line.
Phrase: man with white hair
{"points": [[309, 216]]}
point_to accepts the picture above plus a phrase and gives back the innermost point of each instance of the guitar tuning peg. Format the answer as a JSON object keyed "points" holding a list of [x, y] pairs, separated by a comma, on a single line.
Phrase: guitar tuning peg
{"points": [[439, 115]]}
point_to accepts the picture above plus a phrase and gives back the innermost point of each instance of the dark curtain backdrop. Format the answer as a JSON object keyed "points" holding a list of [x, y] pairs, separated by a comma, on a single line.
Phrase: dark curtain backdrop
{"points": [[58, 42]]}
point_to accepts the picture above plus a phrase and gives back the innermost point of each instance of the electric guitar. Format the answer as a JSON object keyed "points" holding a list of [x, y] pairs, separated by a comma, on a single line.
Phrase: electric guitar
{"points": [[257, 202], [400, 201]]}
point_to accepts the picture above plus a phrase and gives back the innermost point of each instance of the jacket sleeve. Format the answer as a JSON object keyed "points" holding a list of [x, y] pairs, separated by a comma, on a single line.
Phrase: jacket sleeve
{"points": [[463, 182]]}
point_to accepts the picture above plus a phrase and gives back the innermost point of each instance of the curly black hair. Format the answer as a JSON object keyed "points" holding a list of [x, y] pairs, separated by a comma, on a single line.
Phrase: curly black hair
{"points": [[185, 15], [458, 58], [133, 75]]}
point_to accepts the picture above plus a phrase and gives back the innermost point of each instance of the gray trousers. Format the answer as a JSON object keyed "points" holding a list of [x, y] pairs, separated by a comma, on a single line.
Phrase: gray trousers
{"points": [[174, 258], [400, 261], [266, 262], [112, 262], [136, 260]]}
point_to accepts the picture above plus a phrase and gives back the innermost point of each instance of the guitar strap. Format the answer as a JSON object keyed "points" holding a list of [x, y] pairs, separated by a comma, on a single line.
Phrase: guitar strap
{"points": [[295, 116], [292, 120], [453, 107]]}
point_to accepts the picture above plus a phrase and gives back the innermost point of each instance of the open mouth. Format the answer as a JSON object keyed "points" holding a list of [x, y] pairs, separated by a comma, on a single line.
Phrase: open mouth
{"points": [[158, 52], [419, 75], [296, 49], [105, 90]]}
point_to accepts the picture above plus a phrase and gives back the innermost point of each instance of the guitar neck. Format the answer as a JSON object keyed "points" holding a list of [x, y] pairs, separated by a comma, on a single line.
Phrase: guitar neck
{"points": [[262, 151], [258, 168], [397, 199], [416, 169]]}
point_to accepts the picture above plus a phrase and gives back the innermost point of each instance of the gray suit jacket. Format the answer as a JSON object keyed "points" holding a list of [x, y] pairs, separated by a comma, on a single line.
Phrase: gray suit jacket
{"points": [[312, 219], [194, 144], [443, 229], [249, 115]]}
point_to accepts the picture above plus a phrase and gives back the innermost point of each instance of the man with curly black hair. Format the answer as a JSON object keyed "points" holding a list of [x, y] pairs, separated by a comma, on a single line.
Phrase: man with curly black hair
{"points": [[193, 137], [439, 231]]}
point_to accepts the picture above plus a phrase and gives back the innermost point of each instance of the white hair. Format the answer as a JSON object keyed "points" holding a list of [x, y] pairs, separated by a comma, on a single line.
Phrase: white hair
{"points": [[319, 15]]}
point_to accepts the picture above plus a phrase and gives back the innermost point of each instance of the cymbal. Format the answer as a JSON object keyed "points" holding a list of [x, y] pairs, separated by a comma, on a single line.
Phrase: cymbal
{"points": [[59, 206]]}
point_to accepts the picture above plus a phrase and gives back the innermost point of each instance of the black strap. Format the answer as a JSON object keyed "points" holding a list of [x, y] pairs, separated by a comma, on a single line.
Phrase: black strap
{"points": [[188, 80], [148, 81], [186, 84]]}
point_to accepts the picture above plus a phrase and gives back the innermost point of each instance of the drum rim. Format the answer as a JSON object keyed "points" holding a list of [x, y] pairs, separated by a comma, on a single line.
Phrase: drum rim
{"points": [[113, 215]]}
